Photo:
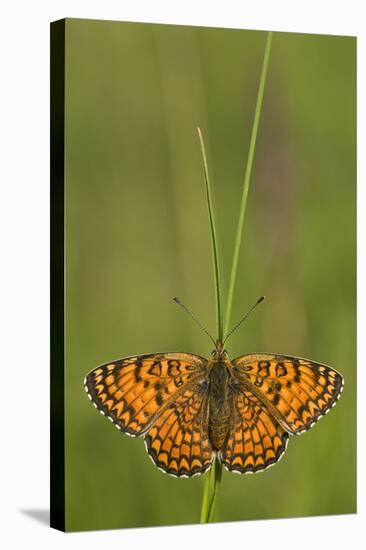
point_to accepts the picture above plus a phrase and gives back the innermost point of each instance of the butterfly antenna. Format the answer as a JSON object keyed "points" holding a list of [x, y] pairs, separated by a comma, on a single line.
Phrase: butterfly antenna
{"points": [[243, 318], [177, 301]]}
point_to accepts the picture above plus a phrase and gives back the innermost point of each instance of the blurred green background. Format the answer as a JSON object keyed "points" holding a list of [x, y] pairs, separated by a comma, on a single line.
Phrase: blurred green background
{"points": [[137, 235]]}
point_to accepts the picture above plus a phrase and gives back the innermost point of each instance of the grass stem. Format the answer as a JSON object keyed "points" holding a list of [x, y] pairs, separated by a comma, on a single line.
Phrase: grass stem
{"points": [[209, 502], [205, 509], [217, 483]]}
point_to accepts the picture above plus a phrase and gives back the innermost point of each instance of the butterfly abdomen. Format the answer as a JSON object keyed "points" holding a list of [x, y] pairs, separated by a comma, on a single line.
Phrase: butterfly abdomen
{"points": [[219, 409]]}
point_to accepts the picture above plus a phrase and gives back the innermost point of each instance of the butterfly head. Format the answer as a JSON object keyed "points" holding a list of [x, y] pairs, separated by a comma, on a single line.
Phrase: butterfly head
{"points": [[219, 353]]}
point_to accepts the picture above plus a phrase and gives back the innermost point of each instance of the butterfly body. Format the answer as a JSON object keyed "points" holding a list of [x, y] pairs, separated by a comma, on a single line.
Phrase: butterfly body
{"points": [[190, 409], [220, 403]]}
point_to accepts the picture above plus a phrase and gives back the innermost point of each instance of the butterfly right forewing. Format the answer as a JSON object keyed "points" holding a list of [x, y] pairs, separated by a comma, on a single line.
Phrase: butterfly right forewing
{"points": [[163, 397], [296, 391], [133, 392]]}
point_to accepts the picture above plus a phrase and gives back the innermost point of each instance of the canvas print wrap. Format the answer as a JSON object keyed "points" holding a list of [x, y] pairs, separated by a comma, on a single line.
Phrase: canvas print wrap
{"points": [[156, 130]]}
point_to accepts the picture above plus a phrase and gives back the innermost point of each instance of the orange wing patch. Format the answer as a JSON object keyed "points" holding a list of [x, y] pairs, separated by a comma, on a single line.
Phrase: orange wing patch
{"points": [[256, 440], [298, 392], [132, 392], [178, 440]]}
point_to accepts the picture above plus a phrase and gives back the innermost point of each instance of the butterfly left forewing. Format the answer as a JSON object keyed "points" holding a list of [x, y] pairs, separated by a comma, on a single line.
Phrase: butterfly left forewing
{"points": [[296, 391], [132, 392]]}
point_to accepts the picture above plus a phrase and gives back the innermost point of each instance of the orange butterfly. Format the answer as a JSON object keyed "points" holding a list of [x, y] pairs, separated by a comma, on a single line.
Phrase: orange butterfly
{"points": [[191, 409]]}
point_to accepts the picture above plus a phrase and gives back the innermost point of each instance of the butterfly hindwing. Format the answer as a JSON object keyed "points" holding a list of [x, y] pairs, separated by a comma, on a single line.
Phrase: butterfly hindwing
{"points": [[296, 391], [256, 440], [132, 392], [178, 440]]}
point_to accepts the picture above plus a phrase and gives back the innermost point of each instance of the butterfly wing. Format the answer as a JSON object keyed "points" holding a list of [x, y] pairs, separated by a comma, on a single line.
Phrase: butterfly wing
{"points": [[256, 439], [297, 392], [177, 442], [134, 391]]}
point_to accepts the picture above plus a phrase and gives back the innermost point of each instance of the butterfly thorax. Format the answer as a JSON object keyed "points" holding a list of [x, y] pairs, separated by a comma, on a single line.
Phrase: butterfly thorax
{"points": [[219, 405]]}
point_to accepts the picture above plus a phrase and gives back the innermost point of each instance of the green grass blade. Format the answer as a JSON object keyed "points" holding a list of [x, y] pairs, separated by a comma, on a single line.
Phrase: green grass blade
{"points": [[215, 257], [246, 183]]}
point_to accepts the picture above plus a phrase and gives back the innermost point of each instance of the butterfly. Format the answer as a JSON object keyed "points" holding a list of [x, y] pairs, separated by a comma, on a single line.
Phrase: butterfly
{"points": [[191, 410]]}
